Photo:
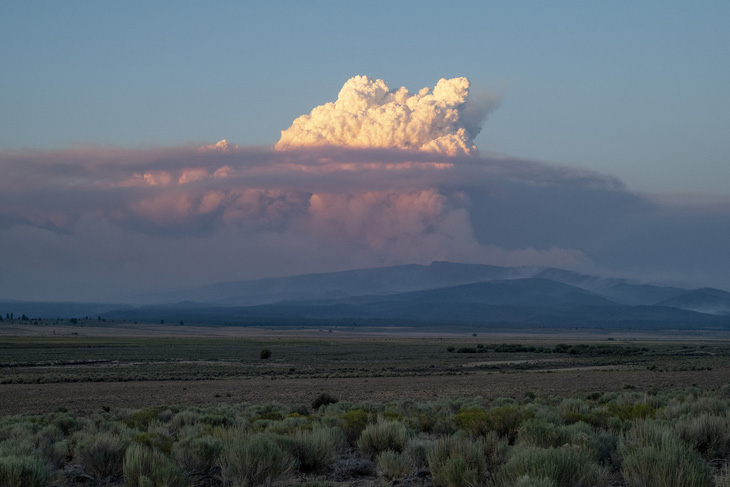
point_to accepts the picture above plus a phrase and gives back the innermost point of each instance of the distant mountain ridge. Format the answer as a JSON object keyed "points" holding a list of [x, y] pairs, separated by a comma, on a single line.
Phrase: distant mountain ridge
{"points": [[439, 294], [358, 282], [438, 274]]}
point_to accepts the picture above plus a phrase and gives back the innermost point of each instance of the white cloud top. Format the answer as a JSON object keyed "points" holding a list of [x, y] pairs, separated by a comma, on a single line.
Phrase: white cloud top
{"points": [[368, 114]]}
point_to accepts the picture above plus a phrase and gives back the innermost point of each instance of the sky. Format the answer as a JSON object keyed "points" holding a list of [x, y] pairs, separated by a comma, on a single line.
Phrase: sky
{"points": [[596, 139]]}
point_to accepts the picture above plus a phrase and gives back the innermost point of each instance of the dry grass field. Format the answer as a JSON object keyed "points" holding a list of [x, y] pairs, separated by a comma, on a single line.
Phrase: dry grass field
{"points": [[85, 367]]}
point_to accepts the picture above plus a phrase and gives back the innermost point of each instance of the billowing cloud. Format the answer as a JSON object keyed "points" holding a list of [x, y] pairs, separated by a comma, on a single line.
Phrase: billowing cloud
{"points": [[367, 114], [375, 178]]}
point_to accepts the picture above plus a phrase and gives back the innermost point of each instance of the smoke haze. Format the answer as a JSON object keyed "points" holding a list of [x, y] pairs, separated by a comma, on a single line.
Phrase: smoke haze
{"points": [[377, 177]]}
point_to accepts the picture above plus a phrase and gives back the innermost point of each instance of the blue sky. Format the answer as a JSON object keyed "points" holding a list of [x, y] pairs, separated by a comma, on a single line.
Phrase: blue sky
{"points": [[633, 89]]}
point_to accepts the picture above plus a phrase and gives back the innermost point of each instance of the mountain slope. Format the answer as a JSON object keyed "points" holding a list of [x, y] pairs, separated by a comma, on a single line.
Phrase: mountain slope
{"points": [[381, 280], [705, 300], [507, 303]]}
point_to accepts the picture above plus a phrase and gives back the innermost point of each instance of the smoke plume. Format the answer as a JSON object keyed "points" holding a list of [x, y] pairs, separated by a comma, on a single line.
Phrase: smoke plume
{"points": [[367, 114], [377, 177]]}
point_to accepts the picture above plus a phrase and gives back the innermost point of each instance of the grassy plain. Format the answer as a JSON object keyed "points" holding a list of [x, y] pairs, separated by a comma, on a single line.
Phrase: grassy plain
{"points": [[89, 366]]}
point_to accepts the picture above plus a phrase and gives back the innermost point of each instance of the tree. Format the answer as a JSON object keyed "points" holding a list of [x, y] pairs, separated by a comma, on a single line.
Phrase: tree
{"points": [[265, 353]]}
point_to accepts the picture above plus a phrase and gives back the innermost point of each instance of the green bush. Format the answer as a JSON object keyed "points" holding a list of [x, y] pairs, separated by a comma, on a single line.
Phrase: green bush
{"points": [[540, 433], [457, 461], [323, 399], [417, 451], [505, 420], [313, 450], [198, 454], [265, 353], [102, 455], [709, 435], [23, 471], [144, 467], [573, 410], [566, 466], [653, 455], [156, 439], [254, 460], [527, 481], [354, 422], [393, 465], [382, 436], [143, 418]]}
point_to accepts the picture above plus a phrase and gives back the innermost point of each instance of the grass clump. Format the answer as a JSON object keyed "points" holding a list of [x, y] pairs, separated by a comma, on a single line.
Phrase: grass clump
{"points": [[354, 422], [382, 436], [565, 466], [253, 461], [323, 399], [313, 450], [653, 455], [101, 455], [25, 471], [393, 465], [505, 420], [198, 455], [708, 434], [145, 467], [457, 461]]}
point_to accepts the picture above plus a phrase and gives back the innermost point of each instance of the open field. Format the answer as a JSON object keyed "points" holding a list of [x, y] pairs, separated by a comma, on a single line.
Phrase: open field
{"points": [[88, 367]]}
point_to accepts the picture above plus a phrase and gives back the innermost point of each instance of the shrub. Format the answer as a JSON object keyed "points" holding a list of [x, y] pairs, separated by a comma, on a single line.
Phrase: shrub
{"points": [[157, 439], [456, 472], [314, 449], [66, 423], [144, 467], [322, 400], [198, 455], [25, 471], [722, 478], [565, 466], [654, 455], [540, 433], [505, 420], [102, 455], [458, 461], [393, 465], [417, 451], [573, 410], [254, 460], [143, 418], [184, 418], [265, 353], [354, 422], [709, 435], [382, 436], [527, 481]]}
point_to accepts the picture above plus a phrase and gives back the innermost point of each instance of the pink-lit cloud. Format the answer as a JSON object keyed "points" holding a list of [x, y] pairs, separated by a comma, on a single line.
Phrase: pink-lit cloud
{"points": [[374, 178]]}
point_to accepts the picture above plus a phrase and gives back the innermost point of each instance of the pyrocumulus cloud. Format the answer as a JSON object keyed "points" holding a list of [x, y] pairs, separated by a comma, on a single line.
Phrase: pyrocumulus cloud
{"points": [[367, 114]]}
